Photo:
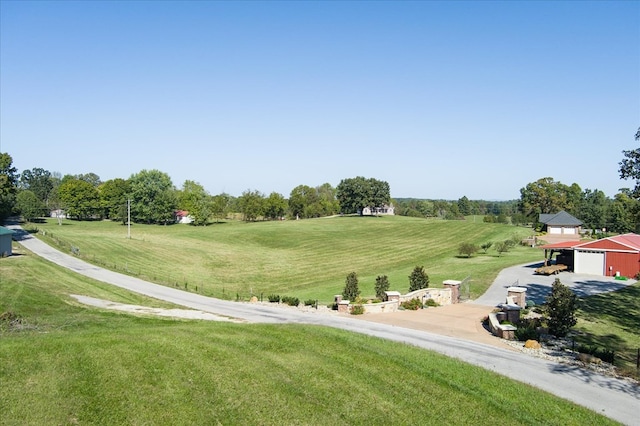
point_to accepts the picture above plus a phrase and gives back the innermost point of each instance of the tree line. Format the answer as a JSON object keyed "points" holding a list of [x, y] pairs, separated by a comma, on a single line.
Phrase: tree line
{"points": [[150, 196]]}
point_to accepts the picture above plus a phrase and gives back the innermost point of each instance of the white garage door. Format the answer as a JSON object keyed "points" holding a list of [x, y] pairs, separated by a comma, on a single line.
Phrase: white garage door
{"points": [[589, 262], [569, 230]]}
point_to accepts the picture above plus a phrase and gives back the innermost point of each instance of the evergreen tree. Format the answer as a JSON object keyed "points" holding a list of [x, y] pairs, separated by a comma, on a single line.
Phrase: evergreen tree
{"points": [[351, 291], [382, 285], [561, 308], [418, 279]]}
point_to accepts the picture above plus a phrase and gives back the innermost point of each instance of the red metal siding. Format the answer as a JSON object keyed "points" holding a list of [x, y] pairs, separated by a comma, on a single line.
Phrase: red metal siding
{"points": [[605, 244], [628, 264]]}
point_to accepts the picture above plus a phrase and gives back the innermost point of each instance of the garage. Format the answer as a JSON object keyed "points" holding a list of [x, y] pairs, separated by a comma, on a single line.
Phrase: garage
{"points": [[618, 255], [589, 262]]}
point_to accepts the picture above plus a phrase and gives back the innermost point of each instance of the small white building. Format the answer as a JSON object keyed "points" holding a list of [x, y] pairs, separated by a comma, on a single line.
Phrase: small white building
{"points": [[5, 241], [386, 210]]}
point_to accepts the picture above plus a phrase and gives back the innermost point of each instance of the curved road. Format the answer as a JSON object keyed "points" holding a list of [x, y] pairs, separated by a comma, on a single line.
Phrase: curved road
{"points": [[617, 399]]}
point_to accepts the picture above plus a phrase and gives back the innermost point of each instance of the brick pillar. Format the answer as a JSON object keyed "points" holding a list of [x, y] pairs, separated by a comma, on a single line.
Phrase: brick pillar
{"points": [[343, 306], [519, 295], [455, 289]]}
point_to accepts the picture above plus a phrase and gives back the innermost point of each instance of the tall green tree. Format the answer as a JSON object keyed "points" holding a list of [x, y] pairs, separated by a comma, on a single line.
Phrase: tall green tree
{"points": [[29, 206], [300, 198], [595, 207], [629, 167], [81, 199], [220, 206], [464, 206], [354, 194], [275, 206], [561, 306], [197, 201], [418, 279], [251, 204], [38, 181], [547, 195], [153, 197], [113, 199], [8, 185]]}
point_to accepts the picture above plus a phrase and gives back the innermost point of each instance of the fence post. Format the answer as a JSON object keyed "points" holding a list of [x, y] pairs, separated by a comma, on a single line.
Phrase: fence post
{"points": [[638, 360]]}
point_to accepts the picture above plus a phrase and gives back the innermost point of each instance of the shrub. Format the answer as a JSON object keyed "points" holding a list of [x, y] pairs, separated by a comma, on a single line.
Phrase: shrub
{"points": [[527, 330], [486, 246], [357, 310], [274, 298], [412, 305], [604, 354], [290, 300], [467, 249], [309, 302], [431, 303]]}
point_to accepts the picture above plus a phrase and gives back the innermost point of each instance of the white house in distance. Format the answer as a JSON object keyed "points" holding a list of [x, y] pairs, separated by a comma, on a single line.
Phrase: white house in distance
{"points": [[386, 210]]}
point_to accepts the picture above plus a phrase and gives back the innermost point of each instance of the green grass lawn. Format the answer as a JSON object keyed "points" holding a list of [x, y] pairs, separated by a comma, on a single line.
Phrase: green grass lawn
{"points": [[305, 259], [70, 364], [612, 321]]}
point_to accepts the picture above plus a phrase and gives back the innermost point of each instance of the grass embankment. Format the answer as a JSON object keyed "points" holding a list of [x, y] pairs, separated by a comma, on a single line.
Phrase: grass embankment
{"points": [[68, 364], [612, 321], [305, 259]]}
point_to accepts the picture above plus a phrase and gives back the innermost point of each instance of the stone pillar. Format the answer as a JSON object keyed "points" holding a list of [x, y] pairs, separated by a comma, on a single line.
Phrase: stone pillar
{"points": [[392, 296], [455, 289], [519, 295], [343, 306], [513, 313], [337, 298]]}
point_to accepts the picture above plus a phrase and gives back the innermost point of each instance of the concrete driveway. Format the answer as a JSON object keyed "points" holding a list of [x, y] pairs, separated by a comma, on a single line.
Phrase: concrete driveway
{"points": [[539, 286], [615, 398]]}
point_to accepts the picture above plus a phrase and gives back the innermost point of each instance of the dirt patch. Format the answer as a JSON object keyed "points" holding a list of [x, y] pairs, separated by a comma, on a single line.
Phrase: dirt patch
{"points": [[461, 320], [136, 309]]}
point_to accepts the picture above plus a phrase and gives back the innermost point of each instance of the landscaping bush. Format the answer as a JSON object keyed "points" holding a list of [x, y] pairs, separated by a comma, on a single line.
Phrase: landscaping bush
{"points": [[357, 310], [309, 302], [351, 290], [418, 279], [604, 354], [527, 330], [290, 300], [382, 285], [274, 298], [431, 303], [412, 305]]}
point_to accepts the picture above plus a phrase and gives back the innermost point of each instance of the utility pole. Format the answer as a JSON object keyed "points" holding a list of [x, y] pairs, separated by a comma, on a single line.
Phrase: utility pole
{"points": [[129, 218]]}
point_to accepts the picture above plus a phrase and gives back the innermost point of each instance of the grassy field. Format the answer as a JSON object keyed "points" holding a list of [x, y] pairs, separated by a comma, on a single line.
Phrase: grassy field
{"points": [[306, 259], [68, 364]]}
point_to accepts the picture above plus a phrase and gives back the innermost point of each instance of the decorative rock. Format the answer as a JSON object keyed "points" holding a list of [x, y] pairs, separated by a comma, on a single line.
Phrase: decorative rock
{"points": [[532, 344]]}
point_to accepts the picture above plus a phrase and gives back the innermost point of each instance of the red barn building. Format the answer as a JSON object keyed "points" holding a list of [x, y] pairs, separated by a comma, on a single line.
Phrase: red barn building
{"points": [[619, 255]]}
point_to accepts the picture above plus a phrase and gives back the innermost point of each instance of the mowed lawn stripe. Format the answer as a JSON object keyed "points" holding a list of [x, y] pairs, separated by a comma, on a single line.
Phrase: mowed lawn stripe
{"points": [[312, 257]]}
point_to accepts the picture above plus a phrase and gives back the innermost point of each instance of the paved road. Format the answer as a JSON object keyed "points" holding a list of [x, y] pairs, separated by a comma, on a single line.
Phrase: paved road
{"points": [[617, 399], [539, 286]]}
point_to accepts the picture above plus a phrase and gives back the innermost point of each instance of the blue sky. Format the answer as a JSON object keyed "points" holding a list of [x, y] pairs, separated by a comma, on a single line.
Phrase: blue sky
{"points": [[440, 99]]}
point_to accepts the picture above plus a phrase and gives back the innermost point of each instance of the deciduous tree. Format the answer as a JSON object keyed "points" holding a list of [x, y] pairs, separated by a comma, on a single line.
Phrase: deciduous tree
{"points": [[81, 199], [38, 181], [251, 204], [113, 198], [197, 201], [354, 194], [153, 197], [275, 206], [29, 206], [630, 166], [467, 249], [8, 185]]}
